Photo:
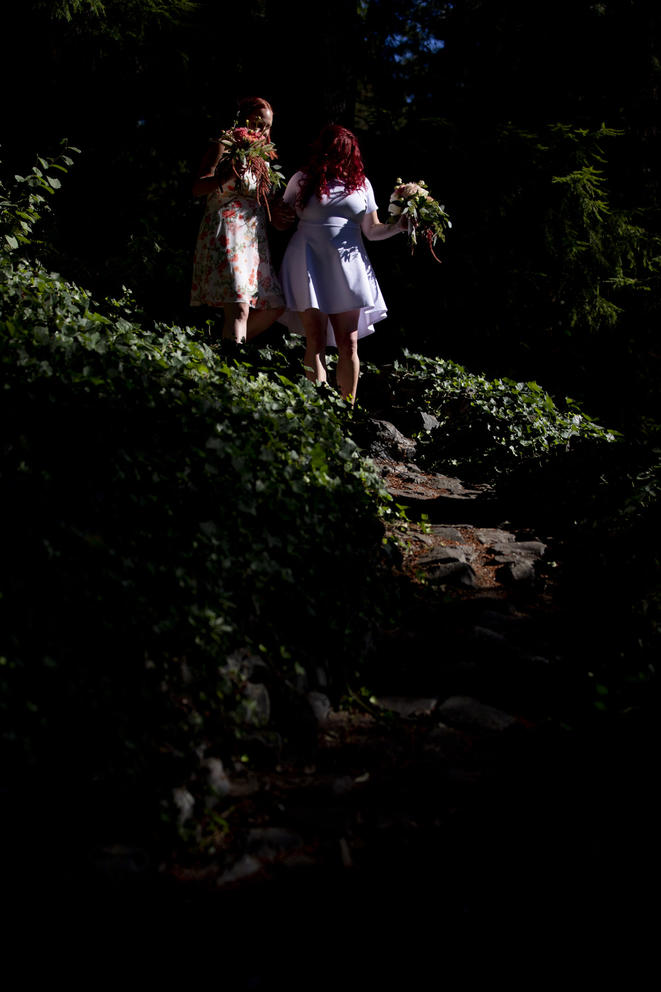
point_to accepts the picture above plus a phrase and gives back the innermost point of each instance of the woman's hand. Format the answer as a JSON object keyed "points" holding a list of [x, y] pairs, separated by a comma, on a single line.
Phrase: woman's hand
{"points": [[282, 215]]}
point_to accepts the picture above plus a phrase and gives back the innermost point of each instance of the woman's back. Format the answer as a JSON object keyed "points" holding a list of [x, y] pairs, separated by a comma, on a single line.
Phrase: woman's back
{"points": [[335, 206]]}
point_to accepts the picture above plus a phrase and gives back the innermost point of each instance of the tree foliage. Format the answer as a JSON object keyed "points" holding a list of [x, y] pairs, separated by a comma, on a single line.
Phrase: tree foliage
{"points": [[26, 202], [541, 145]]}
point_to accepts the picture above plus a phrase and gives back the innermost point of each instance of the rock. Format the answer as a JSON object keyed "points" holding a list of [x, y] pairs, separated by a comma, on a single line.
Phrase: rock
{"points": [[244, 783], [217, 776], [441, 554], [185, 804], [446, 533], [345, 853], [516, 557], [470, 714], [246, 867], [486, 634], [535, 548], [448, 485], [493, 536], [519, 572], [342, 785], [455, 573], [428, 421], [443, 496], [528, 549], [267, 843], [497, 620], [388, 442], [407, 706], [320, 705]]}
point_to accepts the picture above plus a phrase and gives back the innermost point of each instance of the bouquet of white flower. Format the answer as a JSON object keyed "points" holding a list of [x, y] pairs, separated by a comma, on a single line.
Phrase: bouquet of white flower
{"points": [[425, 215]]}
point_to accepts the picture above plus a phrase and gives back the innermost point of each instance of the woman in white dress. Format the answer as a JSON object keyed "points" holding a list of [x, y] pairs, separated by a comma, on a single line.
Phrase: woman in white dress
{"points": [[330, 289]]}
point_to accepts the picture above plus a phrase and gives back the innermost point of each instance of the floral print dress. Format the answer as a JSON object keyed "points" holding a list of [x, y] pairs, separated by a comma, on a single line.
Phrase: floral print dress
{"points": [[232, 262]]}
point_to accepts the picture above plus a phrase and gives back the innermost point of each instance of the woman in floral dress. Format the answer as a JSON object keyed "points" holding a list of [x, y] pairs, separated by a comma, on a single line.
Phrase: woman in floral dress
{"points": [[232, 265]]}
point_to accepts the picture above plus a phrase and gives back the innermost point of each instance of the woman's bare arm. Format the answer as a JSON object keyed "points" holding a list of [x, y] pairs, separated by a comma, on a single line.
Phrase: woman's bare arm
{"points": [[206, 181], [374, 230]]}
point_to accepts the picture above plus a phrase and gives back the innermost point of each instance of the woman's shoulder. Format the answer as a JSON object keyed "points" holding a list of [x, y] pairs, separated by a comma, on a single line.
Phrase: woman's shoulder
{"points": [[291, 192], [369, 195]]}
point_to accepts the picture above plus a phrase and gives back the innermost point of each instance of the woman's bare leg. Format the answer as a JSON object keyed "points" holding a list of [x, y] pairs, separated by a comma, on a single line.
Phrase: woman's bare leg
{"points": [[243, 324], [345, 328], [236, 321], [261, 320], [314, 324]]}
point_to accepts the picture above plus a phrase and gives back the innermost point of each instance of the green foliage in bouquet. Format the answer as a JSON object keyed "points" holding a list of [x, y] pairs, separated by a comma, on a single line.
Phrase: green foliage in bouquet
{"points": [[248, 153], [426, 216]]}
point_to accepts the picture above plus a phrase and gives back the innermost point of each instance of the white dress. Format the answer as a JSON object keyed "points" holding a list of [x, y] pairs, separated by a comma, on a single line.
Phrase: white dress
{"points": [[325, 265]]}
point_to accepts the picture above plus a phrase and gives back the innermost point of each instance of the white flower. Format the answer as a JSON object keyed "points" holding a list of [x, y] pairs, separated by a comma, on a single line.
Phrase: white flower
{"points": [[411, 189], [394, 209]]}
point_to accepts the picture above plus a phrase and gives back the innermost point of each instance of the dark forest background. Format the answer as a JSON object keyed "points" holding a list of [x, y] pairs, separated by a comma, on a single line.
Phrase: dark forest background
{"points": [[535, 124], [180, 524]]}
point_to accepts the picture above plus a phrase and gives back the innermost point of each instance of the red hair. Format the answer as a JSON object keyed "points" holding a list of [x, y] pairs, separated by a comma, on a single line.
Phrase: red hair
{"points": [[334, 158], [248, 104]]}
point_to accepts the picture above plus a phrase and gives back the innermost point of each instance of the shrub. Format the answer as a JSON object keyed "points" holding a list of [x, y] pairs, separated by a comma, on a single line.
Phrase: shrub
{"points": [[180, 530], [487, 426]]}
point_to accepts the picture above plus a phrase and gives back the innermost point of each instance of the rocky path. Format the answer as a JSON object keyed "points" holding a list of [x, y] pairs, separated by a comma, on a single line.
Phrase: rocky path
{"points": [[447, 798]]}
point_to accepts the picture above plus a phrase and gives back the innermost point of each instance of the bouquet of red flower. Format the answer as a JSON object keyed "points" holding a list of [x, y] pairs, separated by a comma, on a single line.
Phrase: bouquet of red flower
{"points": [[425, 215], [248, 151]]}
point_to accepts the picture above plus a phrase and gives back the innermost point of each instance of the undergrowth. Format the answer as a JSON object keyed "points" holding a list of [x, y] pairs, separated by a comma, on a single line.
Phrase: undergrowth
{"points": [[485, 427], [192, 543]]}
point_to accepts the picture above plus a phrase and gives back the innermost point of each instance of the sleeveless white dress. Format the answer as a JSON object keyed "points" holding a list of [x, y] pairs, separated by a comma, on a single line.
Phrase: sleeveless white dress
{"points": [[325, 265]]}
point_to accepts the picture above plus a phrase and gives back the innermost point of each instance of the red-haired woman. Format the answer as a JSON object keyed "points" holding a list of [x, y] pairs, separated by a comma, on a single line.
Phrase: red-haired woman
{"points": [[330, 288], [232, 265]]}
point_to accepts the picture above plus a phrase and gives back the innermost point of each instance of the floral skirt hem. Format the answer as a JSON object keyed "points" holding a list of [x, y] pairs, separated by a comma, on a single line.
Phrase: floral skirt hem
{"points": [[232, 261], [275, 303]]}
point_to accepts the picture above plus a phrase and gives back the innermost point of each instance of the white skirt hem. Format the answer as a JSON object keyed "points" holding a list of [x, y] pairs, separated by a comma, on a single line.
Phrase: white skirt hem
{"points": [[369, 316]]}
